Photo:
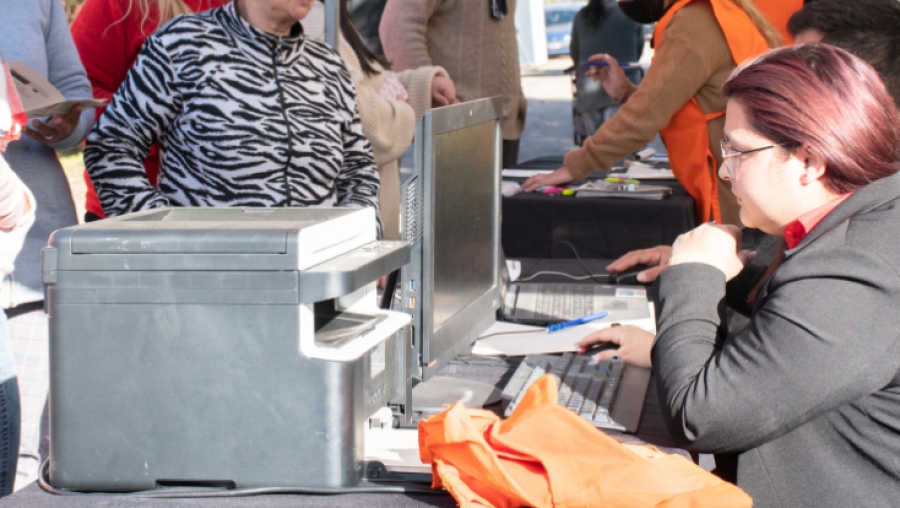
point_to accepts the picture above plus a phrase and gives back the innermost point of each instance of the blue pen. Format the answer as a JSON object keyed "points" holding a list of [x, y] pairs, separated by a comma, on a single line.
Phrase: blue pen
{"points": [[624, 65], [580, 321]]}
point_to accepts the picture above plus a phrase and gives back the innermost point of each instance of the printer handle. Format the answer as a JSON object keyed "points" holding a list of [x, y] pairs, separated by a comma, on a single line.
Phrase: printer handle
{"points": [[346, 273]]}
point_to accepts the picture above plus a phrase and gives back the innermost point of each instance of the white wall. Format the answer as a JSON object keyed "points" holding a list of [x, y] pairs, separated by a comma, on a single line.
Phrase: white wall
{"points": [[531, 34]]}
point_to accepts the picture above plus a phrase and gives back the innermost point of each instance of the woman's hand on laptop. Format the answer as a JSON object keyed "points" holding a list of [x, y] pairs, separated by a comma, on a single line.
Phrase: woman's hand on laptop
{"points": [[655, 257], [627, 342]]}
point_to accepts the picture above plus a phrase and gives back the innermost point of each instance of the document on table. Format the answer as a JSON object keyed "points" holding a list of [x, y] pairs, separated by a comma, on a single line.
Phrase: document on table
{"points": [[641, 171], [521, 340], [524, 173], [397, 449], [39, 97]]}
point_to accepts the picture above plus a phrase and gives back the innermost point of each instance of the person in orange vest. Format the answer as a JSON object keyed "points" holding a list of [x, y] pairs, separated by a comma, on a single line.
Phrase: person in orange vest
{"points": [[778, 12], [698, 44]]}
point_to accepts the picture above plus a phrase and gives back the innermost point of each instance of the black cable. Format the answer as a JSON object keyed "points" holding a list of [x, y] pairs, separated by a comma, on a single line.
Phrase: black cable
{"points": [[542, 330], [390, 287], [45, 484], [574, 251]]}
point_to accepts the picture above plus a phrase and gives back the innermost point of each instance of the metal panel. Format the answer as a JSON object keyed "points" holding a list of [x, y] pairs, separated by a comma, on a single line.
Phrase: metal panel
{"points": [[458, 161]]}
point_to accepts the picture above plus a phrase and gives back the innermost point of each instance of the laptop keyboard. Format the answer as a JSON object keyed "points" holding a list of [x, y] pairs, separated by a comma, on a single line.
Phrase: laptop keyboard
{"points": [[564, 302], [587, 386]]}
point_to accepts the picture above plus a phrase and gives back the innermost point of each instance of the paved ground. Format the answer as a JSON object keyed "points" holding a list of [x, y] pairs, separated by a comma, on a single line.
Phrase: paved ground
{"points": [[548, 126]]}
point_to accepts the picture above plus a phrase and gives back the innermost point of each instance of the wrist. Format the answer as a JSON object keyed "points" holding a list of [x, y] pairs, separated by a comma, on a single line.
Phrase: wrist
{"points": [[682, 258]]}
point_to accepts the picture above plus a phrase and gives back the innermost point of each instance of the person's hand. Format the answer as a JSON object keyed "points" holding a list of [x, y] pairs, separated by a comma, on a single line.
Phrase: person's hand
{"points": [[656, 257], [559, 177], [443, 91], [611, 76], [714, 245], [59, 128], [634, 344]]}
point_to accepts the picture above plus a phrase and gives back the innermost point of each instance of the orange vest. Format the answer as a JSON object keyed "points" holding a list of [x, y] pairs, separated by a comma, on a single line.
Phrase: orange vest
{"points": [[687, 135], [778, 12]]}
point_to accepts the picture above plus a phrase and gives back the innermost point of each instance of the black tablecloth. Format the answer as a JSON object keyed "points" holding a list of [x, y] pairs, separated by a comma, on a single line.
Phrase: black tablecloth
{"points": [[537, 225], [495, 371]]}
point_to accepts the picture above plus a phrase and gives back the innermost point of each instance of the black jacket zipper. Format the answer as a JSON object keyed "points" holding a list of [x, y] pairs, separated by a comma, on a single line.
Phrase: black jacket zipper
{"points": [[287, 123]]}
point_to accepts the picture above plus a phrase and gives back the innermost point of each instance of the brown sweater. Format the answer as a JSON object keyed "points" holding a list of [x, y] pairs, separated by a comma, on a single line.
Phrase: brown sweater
{"points": [[478, 52], [694, 62]]}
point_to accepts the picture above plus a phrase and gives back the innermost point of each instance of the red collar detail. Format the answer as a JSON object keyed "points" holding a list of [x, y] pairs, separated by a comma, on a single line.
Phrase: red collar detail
{"points": [[796, 231]]}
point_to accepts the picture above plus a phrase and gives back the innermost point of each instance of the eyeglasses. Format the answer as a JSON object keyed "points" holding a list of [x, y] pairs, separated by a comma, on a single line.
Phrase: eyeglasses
{"points": [[732, 156]]}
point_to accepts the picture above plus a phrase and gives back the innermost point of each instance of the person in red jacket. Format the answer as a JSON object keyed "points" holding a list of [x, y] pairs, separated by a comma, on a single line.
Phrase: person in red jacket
{"points": [[109, 35]]}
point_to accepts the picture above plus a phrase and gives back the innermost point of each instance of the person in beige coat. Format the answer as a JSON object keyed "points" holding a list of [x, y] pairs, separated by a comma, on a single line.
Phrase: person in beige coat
{"points": [[475, 40], [389, 103]]}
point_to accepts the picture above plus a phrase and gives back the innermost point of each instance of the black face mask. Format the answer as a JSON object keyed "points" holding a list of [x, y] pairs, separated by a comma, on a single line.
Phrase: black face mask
{"points": [[644, 11]]}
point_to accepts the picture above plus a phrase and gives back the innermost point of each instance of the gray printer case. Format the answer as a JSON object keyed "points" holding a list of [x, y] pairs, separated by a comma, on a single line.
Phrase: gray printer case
{"points": [[174, 353]]}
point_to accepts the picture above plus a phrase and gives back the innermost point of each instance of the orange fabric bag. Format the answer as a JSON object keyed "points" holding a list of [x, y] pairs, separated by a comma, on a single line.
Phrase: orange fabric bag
{"points": [[523, 461]]}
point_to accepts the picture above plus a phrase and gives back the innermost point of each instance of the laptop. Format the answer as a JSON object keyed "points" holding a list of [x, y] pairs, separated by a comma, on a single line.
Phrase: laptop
{"points": [[541, 303]]}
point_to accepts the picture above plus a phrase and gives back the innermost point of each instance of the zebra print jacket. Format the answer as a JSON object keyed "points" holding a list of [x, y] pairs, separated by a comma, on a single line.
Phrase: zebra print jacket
{"points": [[243, 117]]}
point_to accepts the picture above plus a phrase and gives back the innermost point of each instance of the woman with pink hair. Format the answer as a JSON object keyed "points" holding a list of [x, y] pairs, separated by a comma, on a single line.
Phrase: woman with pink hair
{"points": [[801, 408]]}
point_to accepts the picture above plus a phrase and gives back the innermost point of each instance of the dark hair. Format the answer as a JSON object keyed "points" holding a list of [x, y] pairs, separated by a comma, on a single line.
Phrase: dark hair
{"points": [[824, 98], [831, 16], [363, 53], [880, 49], [365, 56], [595, 12]]}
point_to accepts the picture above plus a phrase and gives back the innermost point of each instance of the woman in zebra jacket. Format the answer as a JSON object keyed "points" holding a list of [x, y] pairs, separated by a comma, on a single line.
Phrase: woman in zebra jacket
{"points": [[247, 112]]}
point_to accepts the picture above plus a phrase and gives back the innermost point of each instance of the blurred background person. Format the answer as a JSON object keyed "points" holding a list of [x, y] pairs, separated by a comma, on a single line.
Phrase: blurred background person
{"points": [[601, 27], [778, 12], [474, 41], [36, 32], [16, 216], [870, 29], [109, 35], [390, 104], [698, 44], [866, 28]]}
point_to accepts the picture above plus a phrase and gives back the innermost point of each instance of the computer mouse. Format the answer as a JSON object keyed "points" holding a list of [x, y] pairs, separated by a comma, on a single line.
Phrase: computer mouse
{"points": [[629, 276], [596, 349]]}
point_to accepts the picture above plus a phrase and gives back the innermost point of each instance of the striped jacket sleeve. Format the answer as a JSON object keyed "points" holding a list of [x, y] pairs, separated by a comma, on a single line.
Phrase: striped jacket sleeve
{"points": [[357, 184], [140, 111]]}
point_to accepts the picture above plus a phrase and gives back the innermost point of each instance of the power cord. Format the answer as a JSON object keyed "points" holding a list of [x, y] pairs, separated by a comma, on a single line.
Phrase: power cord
{"points": [[542, 330], [44, 483], [580, 262], [562, 274]]}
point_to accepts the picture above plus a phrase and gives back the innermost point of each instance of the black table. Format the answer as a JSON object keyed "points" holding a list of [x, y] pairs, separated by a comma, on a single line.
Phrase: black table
{"points": [[538, 225], [493, 370]]}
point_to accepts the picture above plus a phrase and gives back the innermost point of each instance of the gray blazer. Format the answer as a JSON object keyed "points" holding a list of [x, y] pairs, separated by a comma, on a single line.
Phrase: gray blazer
{"points": [[806, 400]]}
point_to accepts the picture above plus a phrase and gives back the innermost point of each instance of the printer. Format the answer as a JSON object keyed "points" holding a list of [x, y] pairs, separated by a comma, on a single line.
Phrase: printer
{"points": [[222, 347]]}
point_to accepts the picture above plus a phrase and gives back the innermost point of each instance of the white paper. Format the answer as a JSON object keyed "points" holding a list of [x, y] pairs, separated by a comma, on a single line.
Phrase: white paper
{"points": [[515, 269], [642, 171], [645, 154], [525, 173], [510, 189], [397, 449], [39, 97], [535, 339]]}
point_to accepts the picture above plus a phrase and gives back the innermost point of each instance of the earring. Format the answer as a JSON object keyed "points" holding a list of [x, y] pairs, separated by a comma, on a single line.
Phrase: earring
{"points": [[805, 178]]}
